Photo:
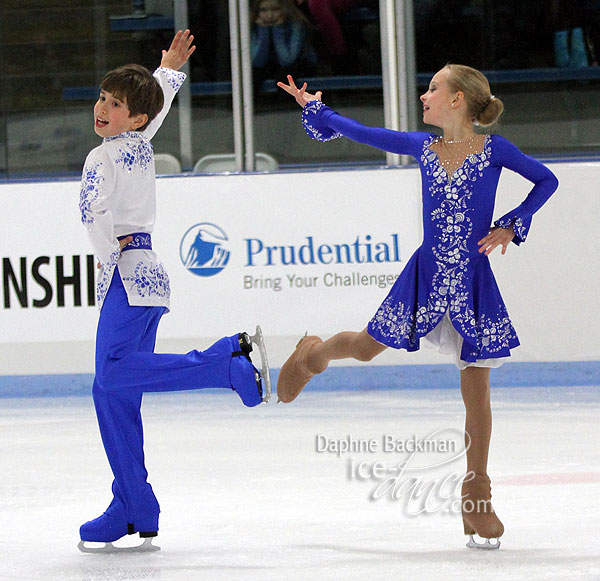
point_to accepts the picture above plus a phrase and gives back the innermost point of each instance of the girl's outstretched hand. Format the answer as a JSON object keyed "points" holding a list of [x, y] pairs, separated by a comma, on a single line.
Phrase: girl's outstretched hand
{"points": [[497, 237], [179, 52], [301, 96]]}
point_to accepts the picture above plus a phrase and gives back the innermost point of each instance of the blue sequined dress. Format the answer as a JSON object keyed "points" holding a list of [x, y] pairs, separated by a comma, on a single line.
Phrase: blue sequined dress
{"points": [[447, 273]]}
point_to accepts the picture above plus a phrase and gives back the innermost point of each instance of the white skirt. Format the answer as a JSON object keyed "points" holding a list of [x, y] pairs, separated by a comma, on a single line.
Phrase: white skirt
{"points": [[448, 341]]}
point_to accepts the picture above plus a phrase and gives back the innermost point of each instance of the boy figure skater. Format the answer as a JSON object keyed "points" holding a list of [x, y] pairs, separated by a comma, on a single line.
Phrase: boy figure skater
{"points": [[118, 207]]}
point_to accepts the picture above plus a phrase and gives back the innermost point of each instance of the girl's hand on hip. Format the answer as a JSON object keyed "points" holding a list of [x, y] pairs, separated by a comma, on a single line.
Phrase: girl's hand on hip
{"points": [[300, 94], [497, 237]]}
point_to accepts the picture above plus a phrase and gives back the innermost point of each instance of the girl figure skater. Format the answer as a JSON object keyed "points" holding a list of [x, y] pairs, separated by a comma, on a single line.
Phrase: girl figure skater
{"points": [[446, 294], [118, 208]]}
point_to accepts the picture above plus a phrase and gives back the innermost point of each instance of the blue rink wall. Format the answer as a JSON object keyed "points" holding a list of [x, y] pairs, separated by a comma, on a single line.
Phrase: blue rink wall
{"points": [[356, 378], [319, 257]]}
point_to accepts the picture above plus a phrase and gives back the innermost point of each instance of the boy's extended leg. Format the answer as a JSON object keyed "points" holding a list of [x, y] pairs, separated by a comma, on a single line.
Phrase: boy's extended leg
{"points": [[126, 366], [125, 358]]}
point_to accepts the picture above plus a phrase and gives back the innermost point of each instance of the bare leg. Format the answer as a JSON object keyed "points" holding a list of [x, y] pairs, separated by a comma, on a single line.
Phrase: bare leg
{"points": [[478, 514], [344, 345], [312, 356], [475, 388]]}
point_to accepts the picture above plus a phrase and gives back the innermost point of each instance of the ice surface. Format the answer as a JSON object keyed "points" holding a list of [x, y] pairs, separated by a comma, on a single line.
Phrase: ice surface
{"points": [[246, 495]]}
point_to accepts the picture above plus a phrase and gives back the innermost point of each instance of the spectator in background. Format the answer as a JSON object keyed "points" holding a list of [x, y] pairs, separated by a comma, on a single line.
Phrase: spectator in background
{"points": [[591, 15], [571, 48], [280, 40], [325, 15]]}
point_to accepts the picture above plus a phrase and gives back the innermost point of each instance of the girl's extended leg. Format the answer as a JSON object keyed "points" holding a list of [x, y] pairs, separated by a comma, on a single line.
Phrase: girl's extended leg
{"points": [[478, 515], [312, 356], [345, 345]]}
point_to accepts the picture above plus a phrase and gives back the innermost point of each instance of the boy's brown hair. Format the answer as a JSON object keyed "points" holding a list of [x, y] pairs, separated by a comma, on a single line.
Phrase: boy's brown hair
{"points": [[135, 85]]}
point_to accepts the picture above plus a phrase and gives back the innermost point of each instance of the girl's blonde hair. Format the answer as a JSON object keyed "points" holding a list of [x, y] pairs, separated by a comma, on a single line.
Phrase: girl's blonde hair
{"points": [[484, 109]]}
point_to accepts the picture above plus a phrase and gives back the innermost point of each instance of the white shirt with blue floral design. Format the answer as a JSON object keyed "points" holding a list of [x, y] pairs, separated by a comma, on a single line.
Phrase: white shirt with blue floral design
{"points": [[118, 197]]}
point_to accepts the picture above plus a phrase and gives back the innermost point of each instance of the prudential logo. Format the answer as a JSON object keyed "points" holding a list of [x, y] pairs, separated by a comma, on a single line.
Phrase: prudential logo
{"points": [[203, 249]]}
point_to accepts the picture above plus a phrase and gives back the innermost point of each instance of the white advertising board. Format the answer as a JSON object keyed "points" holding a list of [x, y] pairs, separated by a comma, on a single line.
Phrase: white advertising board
{"points": [[294, 252]]}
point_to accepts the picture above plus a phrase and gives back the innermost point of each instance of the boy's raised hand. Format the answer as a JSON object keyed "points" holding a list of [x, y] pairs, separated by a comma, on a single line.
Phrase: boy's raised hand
{"points": [[179, 52], [300, 94]]}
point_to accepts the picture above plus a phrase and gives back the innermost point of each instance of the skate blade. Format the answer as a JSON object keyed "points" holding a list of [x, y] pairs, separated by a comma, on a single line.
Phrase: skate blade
{"points": [[259, 340], [486, 546], [105, 548]]}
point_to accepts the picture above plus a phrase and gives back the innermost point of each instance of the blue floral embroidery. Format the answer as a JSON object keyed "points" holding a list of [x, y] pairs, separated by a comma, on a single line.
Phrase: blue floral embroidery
{"points": [[310, 114], [106, 276], [395, 321], [520, 229], [174, 78], [90, 190], [150, 279], [451, 219], [452, 193], [516, 224], [495, 333], [140, 240], [137, 155], [126, 135]]}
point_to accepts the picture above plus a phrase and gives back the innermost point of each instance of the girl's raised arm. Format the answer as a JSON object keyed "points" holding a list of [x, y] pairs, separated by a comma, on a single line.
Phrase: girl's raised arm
{"points": [[301, 96]]}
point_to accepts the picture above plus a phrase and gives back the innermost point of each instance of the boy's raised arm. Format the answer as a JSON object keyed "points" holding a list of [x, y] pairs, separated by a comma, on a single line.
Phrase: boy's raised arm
{"points": [[168, 76], [179, 52]]}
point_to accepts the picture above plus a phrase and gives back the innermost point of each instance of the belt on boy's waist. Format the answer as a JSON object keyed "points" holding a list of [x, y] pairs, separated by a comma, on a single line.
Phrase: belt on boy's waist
{"points": [[141, 241]]}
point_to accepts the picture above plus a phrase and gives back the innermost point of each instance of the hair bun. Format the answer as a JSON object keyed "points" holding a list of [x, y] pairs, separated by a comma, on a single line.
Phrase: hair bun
{"points": [[490, 112], [483, 108]]}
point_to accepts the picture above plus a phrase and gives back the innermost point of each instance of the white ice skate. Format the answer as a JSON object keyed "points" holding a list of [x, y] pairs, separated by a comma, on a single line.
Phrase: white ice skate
{"points": [[487, 545], [259, 340], [104, 548]]}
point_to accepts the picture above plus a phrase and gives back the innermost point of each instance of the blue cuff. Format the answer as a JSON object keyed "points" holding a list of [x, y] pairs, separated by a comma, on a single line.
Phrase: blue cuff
{"points": [[520, 226], [314, 119]]}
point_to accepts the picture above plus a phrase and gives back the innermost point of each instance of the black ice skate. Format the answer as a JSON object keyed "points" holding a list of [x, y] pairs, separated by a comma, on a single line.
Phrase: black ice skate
{"points": [[263, 378], [97, 536]]}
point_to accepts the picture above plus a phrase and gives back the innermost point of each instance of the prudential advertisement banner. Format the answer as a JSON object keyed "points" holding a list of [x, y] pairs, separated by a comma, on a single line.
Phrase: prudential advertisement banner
{"points": [[278, 251], [287, 251]]}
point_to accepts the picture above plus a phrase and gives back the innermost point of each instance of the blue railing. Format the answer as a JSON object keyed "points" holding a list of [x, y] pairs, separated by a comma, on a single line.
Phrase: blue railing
{"points": [[503, 77]]}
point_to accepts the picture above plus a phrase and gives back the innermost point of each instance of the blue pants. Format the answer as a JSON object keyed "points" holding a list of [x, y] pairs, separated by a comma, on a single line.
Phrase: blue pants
{"points": [[126, 367]]}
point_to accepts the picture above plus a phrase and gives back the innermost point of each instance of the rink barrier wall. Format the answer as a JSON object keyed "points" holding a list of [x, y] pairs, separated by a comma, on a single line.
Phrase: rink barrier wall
{"points": [[363, 378], [297, 252]]}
